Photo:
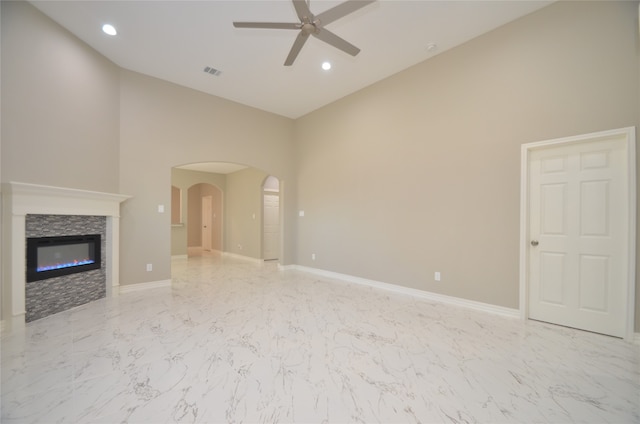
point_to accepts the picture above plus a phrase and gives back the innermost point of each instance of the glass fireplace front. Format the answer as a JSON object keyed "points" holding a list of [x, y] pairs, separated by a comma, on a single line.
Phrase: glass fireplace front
{"points": [[49, 257]]}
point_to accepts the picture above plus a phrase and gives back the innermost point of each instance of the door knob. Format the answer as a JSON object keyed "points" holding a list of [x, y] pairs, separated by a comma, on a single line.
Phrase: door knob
{"points": [[534, 242]]}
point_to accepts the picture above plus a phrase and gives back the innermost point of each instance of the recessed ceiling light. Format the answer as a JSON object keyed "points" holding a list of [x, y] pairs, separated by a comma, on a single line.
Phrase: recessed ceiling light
{"points": [[326, 66], [432, 47], [109, 29]]}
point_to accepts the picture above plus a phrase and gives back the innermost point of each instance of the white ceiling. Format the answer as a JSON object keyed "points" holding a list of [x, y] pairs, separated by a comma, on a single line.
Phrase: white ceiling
{"points": [[176, 40]]}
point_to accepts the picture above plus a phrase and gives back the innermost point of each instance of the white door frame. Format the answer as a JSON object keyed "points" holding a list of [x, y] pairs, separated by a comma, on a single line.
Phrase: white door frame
{"points": [[264, 194], [629, 134], [206, 220]]}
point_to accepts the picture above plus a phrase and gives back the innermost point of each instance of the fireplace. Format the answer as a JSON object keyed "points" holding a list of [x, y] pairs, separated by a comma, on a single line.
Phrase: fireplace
{"points": [[32, 210], [62, 246], [49, 257]]}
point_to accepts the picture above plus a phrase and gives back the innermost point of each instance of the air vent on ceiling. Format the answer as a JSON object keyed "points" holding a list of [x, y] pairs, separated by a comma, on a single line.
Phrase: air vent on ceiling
{"points": [[212, 71]]}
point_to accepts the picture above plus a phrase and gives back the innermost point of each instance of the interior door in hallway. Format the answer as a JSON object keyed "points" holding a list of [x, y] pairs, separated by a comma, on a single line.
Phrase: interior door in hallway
{"points": [[271, 226], [579, 229], [207, 222]]}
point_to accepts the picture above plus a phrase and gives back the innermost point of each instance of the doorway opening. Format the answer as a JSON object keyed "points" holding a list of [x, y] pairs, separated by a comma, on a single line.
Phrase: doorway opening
{"points": [[204, 221], [271, 219], [220, 211]]}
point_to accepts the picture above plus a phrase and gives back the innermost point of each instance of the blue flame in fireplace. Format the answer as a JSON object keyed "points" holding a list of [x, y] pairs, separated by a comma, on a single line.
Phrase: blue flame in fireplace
{"points": [[65, 265]]}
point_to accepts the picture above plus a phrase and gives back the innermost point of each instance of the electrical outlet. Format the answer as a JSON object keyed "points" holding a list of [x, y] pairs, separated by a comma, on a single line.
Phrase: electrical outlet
{"points": [[239, 246], [149, 267], [313, 256], [436, 276]]}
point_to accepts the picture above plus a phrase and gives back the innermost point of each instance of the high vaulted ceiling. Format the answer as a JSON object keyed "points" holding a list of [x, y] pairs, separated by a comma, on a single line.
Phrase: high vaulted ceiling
{"points": [[176, 40]]}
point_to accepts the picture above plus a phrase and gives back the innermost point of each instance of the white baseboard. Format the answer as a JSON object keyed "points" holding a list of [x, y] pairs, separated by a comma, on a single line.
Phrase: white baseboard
{"points": [[287, 267], [144, 286], [465, 303], [246, 258], [636, 338]]}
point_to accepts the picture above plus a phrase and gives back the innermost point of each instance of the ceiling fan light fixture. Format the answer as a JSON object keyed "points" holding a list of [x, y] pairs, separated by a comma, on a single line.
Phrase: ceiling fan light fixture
{"points": [[326, 65], [109, 29]]}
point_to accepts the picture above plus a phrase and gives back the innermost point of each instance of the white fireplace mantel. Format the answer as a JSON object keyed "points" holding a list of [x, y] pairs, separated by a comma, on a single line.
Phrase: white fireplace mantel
{"points": [[21, 199]]}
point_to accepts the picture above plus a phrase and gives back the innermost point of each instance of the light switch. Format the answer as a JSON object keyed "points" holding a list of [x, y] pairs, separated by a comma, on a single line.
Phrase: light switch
{"points": [[160, 208], [301, 213]]}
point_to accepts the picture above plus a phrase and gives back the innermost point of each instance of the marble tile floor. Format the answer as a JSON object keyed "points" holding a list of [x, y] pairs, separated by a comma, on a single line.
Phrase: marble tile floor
{"points": [[236, 342]]}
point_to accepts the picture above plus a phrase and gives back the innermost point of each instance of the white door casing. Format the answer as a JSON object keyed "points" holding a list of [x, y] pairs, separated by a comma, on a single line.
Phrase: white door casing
{"points": [[578, 206], [271, 226]]}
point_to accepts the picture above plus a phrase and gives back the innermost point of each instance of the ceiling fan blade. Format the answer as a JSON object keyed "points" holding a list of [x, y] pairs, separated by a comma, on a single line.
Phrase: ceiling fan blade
{"points": [[295, 49], [268, 25], [302, 10], [337, 42], [341, 10]]}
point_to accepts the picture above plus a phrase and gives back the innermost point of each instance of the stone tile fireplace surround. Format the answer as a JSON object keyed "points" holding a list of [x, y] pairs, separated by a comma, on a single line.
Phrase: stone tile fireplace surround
{"points": [[27, 208], [56, 294]]}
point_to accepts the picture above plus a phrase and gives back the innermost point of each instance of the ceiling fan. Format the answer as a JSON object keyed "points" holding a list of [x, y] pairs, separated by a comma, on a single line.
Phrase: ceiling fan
{"points": [[311, 24]]}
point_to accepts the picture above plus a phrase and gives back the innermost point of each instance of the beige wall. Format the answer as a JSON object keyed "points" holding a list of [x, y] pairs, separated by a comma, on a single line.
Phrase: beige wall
{"points": [[416, 174], [63, 102], [60, 103], [59, 111], [420, 172], [163, 125], [243, 212], [637, 326], [1, 205]]}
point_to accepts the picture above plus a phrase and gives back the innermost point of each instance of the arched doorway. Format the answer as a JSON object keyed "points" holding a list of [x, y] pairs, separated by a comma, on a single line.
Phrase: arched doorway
{"points": [[238, 225], [204, 219], [271, 218]]}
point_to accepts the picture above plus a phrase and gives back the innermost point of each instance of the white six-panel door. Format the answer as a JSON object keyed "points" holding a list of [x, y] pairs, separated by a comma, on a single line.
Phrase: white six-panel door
{"points": [[579, 235], [271, 226]]}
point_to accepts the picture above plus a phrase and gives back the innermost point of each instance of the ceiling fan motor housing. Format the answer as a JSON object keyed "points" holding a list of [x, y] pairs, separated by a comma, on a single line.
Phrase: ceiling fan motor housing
{"points": [[310, 28]]}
